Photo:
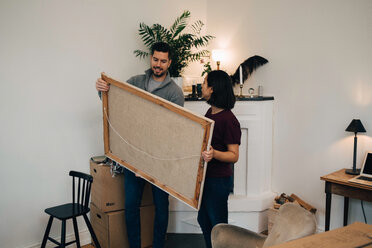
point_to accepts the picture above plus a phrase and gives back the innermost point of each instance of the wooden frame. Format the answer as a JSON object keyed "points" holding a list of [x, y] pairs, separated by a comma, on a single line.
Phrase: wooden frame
{"points": [[156, 139]]}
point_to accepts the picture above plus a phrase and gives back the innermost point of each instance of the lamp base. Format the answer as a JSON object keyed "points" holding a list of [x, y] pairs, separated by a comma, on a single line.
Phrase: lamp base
{"points": [[352, 172]]}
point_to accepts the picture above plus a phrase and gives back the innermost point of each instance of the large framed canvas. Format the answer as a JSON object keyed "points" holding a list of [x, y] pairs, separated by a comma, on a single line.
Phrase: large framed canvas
{"points": [[156, 139]]}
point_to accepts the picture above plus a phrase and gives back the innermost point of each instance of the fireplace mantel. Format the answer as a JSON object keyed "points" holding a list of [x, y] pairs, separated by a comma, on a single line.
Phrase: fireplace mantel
{"points": [[252, 194]]}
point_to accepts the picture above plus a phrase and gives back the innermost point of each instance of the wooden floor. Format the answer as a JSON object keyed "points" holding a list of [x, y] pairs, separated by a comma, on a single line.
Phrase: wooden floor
{"points": [[179, 240]]}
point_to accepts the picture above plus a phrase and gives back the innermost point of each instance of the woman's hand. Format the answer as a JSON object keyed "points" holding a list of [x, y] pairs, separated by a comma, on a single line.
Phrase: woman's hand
{"points": [[208, 155], [229, 156]]}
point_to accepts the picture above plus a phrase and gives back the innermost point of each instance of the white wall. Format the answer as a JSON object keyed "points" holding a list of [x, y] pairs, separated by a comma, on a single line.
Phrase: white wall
{"points": [[51, 53], [320, 74]]}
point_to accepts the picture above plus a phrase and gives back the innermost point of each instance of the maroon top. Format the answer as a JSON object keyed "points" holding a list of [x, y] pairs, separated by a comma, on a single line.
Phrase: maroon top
{"points": [[226, 131]]}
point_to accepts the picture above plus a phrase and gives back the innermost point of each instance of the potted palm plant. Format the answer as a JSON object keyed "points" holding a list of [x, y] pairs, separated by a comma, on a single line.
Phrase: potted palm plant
{"points": [[185, 43]]}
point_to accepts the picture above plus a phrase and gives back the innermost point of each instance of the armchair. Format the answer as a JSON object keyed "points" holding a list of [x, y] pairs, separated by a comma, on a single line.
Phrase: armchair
{"points": [[292, 222]]}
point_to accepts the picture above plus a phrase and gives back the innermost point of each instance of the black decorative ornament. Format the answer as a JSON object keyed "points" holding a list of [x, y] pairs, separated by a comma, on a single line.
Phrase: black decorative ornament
{"points": [[248, 67]]}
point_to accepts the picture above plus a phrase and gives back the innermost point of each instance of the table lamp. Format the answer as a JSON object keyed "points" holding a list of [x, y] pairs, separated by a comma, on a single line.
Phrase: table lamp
{"points": [[218, 55], [355, 126]]}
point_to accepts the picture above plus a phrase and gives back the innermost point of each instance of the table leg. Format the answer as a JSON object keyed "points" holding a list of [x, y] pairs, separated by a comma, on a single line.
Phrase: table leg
{"points": [[346, 210], [328, 210]]}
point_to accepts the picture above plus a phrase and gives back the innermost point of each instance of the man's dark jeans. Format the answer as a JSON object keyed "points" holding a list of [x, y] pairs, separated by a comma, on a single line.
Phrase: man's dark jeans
{"points": [[133, 195], [213, 209]]}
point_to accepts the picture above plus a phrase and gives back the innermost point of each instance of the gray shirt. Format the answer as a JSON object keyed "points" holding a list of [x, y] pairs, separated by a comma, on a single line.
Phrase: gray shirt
{"points": [[167, 89], [153, 84]]}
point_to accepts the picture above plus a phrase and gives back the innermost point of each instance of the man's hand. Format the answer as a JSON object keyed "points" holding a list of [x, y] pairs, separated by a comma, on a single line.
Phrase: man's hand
{"points": [[102, 85], [208, 155]]}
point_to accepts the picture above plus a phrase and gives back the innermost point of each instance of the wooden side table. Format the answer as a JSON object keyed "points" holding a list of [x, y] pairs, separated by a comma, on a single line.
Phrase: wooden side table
{"points": [[337, 183]]}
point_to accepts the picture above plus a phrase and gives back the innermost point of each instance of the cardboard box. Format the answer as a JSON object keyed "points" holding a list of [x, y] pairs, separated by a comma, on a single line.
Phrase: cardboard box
{"points": [[111, 231], [108, 192]]}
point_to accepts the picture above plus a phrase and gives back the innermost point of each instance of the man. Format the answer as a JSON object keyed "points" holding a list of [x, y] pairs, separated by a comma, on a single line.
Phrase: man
{"points": [[157, 81]]}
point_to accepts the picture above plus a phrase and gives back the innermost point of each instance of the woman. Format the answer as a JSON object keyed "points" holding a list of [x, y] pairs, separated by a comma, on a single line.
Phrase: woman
{"points": [[224, 151]]}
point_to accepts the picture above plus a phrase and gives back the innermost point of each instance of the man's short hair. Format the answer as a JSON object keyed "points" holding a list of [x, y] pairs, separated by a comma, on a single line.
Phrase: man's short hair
{"points": [[161, 47]]}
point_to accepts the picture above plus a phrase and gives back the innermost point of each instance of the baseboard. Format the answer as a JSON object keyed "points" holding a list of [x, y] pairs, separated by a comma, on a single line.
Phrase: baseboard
{"points": [[84, 236]]}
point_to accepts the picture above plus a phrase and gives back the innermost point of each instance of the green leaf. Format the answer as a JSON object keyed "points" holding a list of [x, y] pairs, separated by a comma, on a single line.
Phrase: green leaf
{"points": [[141, 54], [197, 26], [161, 33], [147, 34], [185, 46], [180, 23]]}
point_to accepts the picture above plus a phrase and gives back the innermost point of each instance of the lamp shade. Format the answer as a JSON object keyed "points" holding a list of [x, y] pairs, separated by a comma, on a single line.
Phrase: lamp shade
{"points": [[218, 55], [356, 126]]}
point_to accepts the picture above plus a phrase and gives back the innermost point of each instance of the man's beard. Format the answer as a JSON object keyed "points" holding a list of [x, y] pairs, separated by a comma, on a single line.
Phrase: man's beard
{"points": [[161, 73]]}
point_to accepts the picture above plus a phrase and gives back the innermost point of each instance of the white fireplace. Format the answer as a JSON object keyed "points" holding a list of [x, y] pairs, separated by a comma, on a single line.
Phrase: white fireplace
{"points": [[252, 194]]}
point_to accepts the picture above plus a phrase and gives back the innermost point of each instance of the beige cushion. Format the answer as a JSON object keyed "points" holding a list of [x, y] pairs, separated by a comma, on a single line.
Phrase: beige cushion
{"points": [[230, 236], [292, 222]]}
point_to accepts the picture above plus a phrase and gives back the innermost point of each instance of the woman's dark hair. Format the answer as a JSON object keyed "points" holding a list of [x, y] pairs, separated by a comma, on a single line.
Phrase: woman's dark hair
{"points": [[223, 93], [161, 47]]}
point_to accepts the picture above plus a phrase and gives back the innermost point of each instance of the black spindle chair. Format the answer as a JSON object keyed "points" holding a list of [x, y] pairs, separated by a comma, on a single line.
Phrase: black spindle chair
{"points": [[78, 207]]}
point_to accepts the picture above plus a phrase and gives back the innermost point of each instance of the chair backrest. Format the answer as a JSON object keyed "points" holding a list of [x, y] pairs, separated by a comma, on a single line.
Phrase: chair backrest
{"points": [[81, 186], [292, 222]]}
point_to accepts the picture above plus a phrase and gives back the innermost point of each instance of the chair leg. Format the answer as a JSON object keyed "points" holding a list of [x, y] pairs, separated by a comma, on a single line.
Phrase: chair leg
{"points": [[63, 234], [96, 243], [76, 230], [46, 234]]}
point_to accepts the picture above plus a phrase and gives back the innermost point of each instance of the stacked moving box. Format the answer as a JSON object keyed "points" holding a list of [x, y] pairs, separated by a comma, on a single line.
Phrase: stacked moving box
{"points": [[107, 208]]}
